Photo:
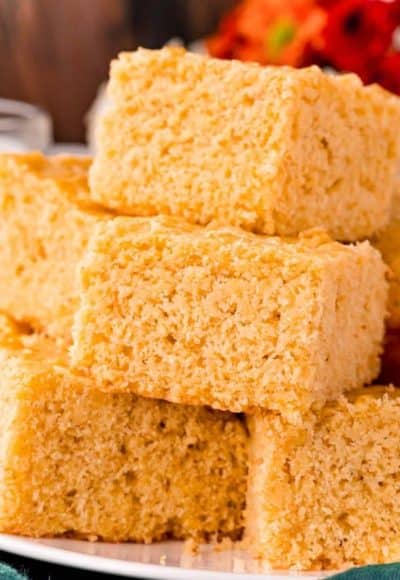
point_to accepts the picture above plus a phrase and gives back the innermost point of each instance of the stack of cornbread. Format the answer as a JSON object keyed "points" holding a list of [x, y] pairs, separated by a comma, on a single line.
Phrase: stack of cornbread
{"points": [[187, 339]]}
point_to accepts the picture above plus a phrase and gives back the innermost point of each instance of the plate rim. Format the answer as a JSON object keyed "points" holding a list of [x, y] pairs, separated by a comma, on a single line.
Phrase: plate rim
{"points": [[34, 549]]}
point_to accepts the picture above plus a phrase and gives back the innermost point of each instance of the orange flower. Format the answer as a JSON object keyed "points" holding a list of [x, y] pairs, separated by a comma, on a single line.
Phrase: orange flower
{"points": [[360, 36], [270, 32], [222, 44]]}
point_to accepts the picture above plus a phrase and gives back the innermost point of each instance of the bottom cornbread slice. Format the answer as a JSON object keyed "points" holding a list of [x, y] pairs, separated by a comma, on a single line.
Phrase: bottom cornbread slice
{"points": [[327, 495], [111, 466]]}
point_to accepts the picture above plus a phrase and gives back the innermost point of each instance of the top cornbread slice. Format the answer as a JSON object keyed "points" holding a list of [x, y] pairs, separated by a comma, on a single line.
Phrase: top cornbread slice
{"points": [[272, 150], [226, 318], [46, 217]]}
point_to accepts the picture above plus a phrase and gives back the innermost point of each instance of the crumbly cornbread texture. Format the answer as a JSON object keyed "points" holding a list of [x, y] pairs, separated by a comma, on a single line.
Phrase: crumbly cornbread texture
{"points": [[271, 149], [9, 329], [46, 218], [388, 242], [326, 495], [114, 466], [226, 318]]}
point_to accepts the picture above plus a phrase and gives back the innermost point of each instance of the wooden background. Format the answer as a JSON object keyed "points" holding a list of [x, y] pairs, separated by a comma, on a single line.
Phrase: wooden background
{"points": [[55, 53]]}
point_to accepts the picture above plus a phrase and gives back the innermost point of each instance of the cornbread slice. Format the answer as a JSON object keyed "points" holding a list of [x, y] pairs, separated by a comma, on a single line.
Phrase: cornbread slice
{"points": [[111, 466], [326, 495], [46, 218], [388, 243], [274, 150], [226, 318]]}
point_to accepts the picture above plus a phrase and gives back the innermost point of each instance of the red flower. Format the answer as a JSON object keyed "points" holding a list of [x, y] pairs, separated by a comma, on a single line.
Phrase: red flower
{"points": [[222, 44], [389, 73], [270, 32], [358, 34], [347, 35]]}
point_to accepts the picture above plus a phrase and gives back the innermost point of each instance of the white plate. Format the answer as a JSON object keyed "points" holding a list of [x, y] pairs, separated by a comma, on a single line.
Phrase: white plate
{"points": [[162, 561]]}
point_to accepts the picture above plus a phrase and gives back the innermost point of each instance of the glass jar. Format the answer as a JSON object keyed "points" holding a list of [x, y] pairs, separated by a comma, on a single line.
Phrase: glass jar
{"points": [[24, 127]]}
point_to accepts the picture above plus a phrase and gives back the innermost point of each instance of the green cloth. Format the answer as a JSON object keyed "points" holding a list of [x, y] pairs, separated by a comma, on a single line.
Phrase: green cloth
{"points": [[8, 573], [381, 572]]}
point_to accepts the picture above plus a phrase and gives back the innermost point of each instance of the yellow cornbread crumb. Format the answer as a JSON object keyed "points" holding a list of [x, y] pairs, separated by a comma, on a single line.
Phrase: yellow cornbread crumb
{"points": [[274, 150], [326, 495], [45, 221], [117, 467], [226, 318], [9, 329]]}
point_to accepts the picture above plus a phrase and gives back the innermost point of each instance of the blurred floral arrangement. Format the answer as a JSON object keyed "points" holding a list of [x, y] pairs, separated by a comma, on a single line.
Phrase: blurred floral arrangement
{"points": [[360, 36]]}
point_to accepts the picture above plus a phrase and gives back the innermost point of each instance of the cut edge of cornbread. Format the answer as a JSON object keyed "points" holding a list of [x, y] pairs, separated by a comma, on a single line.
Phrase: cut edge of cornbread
{"points": [[324, 496], [387, 241], [193, 315], [78, 462]]}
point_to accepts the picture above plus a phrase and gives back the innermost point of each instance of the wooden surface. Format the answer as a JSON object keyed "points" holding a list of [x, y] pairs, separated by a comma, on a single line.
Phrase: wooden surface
{"points": [[55, 53]]}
